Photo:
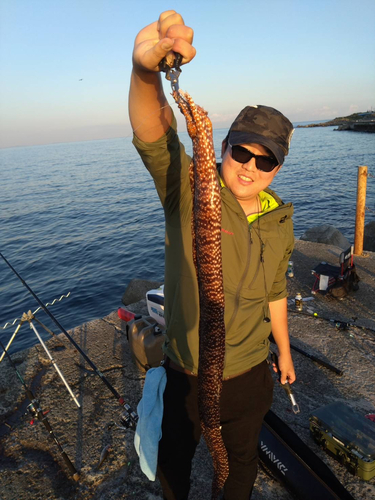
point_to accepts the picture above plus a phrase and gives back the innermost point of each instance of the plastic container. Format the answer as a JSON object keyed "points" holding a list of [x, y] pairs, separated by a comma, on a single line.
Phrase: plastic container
{"points": [[155, 304], [124, 314], [145, 339], [298, 302]]}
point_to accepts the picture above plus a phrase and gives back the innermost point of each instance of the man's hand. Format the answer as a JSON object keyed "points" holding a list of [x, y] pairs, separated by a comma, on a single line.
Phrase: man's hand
{"points": [[149, 111], [286, 367], [279, 318], [161, 39]]}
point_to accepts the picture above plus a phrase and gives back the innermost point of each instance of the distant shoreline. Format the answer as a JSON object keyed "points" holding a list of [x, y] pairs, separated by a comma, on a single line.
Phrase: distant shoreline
{"points": [[357, 122]]}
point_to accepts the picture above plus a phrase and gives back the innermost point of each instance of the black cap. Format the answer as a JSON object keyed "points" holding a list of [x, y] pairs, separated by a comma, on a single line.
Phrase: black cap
{"points": [[263, 125]]}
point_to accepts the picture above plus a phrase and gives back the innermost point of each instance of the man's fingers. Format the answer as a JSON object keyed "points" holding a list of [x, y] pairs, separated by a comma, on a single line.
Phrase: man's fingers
{"points": [[180, 31], [163, 49], [171, 25], [289, 377], [164, 15], [163, 38], [183, 47], [149, 53], [166, 20]]}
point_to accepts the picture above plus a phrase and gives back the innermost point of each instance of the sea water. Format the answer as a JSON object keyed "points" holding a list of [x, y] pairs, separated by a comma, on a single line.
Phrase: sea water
{"points": [[84, 217]]}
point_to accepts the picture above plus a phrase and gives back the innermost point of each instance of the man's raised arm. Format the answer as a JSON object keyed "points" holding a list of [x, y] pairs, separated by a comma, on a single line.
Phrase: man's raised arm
{"points": [[149, 112]]}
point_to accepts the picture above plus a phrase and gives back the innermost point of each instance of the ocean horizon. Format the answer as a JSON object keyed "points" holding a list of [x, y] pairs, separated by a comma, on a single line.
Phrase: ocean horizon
{"points": [[295, 124]]}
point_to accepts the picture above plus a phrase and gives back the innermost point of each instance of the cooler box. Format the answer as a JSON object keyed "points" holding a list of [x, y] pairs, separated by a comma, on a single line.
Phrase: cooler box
{"points": [[347, 435], [155, 304]]}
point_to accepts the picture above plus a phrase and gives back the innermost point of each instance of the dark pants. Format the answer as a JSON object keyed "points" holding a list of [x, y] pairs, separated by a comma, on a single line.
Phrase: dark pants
{"points": [[244, 402]]}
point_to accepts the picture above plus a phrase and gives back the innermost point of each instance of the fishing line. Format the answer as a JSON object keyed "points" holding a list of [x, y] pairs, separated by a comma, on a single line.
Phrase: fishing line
{"points": [[146, 118], [34, 312], [143, 122]]}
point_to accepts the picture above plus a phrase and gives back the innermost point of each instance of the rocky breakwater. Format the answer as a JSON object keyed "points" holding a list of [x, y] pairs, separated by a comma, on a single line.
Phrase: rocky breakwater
{"points": [[330, 235], [369, 237], [31, 466], [360, 126], [357, 122]]}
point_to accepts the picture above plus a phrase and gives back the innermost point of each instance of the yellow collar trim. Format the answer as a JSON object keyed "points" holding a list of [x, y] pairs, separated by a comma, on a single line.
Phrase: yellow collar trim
{"points": [[267, 201]]}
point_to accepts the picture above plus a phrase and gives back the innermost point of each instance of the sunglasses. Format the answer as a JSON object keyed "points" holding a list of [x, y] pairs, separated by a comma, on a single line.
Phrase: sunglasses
{"points": [[263, 163]]}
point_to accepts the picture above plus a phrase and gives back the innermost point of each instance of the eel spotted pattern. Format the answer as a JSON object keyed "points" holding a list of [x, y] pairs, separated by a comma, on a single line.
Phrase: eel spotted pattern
{"points": [[206, 231]]}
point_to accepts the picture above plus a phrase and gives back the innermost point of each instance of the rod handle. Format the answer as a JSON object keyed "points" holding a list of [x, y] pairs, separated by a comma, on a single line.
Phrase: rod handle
{"points": [[70, 466]]}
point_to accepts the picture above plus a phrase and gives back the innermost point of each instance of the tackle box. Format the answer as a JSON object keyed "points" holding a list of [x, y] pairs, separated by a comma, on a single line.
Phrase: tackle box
{"points": [[347, 435]]}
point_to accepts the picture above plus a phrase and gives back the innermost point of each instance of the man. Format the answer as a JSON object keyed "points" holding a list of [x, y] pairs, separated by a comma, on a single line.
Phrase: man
{"points": [[257, 241]]}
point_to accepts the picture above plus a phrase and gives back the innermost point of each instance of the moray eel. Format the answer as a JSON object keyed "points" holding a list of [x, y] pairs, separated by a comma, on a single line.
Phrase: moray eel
{"points": [[206, 232]]}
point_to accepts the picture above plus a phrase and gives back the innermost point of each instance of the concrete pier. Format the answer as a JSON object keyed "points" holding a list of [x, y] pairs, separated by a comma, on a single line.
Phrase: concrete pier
{"points": [[30, 465]]}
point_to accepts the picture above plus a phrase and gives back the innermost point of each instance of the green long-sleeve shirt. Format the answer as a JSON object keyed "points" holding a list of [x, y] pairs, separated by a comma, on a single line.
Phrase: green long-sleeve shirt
{"points": [[249, 284]]}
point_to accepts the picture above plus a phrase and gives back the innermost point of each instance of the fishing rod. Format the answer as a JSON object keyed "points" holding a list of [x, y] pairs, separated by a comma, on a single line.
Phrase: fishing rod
{"points": [[37, 412], [317, 360], [311, 356], [129, 418], [339, 324]]}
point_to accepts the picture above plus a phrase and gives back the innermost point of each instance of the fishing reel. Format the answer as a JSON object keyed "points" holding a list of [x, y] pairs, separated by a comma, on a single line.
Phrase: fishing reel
{"points": [[341, 325], [32, 410], [35, 411], [128, 418]]}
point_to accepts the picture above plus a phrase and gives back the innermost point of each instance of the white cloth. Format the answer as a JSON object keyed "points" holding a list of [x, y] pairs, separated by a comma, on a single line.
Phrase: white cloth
{"points": [[150, 413], [323, 282]]}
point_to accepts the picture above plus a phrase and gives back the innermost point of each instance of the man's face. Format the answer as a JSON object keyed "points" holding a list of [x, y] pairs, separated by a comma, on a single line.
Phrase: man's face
{"points": [[244, 179]]}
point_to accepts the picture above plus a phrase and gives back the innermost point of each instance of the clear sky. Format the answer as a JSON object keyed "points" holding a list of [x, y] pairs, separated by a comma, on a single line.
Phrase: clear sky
{"points": [[65, 64]]}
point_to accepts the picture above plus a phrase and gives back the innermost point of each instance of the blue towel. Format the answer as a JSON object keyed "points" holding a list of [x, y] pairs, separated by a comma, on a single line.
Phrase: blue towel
{"points": [[150, 412]]}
